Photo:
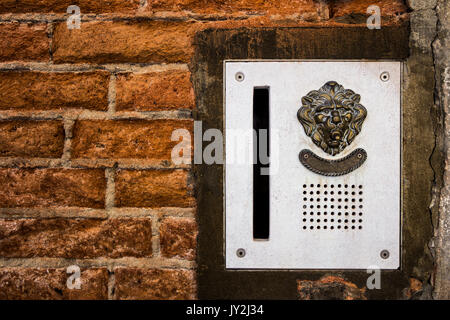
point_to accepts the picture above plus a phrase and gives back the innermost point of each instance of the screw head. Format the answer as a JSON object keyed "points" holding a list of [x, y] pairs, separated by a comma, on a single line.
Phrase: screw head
{"points": [[239, 76], [240, 253], [385, 76], [384, 254]]}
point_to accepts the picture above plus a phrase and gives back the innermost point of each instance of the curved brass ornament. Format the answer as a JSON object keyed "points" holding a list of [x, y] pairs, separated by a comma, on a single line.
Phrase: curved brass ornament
{"points": [[333, 168], [332, 116]]}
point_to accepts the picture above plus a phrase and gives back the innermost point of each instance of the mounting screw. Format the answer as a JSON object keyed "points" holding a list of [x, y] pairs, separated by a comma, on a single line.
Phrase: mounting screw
{"points": [[384, 76], [239, 76], [240, 253], [384, 254]]}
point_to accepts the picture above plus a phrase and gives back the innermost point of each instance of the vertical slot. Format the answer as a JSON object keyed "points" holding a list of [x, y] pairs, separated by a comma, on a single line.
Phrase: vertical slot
{"points": [[261, 195]]}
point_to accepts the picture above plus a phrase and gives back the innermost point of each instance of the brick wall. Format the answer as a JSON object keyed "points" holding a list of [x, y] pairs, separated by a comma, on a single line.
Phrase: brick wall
{"points": [[86, 117]]}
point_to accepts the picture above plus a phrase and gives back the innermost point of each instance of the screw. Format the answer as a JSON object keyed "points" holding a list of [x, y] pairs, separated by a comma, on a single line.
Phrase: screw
{"points": [[385, 76], [384, 254], [239, 76], [240, 253]]}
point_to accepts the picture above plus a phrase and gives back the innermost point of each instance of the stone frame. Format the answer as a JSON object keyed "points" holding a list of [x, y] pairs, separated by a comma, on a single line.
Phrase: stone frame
{"points": [[212, 47]]}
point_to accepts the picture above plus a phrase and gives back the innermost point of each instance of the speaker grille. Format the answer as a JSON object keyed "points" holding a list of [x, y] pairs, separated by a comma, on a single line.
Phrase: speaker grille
{"points": [[332, 207]]}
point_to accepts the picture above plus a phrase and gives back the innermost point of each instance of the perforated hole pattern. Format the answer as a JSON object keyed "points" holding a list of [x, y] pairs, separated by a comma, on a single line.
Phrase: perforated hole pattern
{"points": [[332, 207]]}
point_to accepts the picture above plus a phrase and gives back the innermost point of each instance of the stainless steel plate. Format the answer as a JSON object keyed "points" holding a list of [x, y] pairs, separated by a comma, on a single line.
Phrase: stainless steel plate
{"points": [[316, 222]]}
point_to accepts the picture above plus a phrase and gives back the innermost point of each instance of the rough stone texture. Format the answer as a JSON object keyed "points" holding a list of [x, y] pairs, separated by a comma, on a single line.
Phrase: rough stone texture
{"points": [[423, 31], [76, 238], [52, 187], [154, 91], [178, 238], [60, 6], [51, 284], [154, 284], [24, 41], [154, 189], [351, 12], [43, 139], [109, 42], [421, 4], [329, 288], [442, 56], [23, 90], [117, 139]]}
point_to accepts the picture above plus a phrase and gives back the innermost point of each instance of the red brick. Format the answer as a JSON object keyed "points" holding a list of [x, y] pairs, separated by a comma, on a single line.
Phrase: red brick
{"points": [[355, 11], [154, 91], [230, 6], [329, 288], [60, 6], [51, 284], [23, 90], [153, 188], [113, 42], [52, 187], [22, 41], [154, 284], [76, 238], [126, 139], [415, 289], [42, 139], [178, 238]]}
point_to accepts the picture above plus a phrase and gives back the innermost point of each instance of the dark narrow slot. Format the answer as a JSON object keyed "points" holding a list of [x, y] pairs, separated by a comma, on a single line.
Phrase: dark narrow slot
{"points": [[261, 164]]}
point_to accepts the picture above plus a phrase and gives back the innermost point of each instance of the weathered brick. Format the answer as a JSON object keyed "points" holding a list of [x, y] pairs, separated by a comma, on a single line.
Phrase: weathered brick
{"points": [[51, 284], [52, 187], [76, 238], [154, 284], [154, 91], [43, 139], [110, 42], [23, 90], [60, 6], [122, 139], [153, 188], [356, 11], [231, 6], [178, 238], [329, 288], [22, 41], [414, 291]]}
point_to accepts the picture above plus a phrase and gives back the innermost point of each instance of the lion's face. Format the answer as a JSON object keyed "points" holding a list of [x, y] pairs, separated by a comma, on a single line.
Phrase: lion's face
{"points": [[332, 117]]}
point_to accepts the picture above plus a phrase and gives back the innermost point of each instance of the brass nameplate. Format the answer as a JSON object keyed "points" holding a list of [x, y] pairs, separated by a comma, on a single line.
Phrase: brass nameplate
{"points": [[336, 167]]}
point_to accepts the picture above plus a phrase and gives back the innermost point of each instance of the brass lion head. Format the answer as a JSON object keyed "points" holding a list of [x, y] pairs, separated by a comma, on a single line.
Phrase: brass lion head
{"points": [[332, 116]]}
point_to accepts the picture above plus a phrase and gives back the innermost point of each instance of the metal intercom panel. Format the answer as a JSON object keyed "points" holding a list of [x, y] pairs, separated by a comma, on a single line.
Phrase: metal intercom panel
{"points": [[330, 195]]}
